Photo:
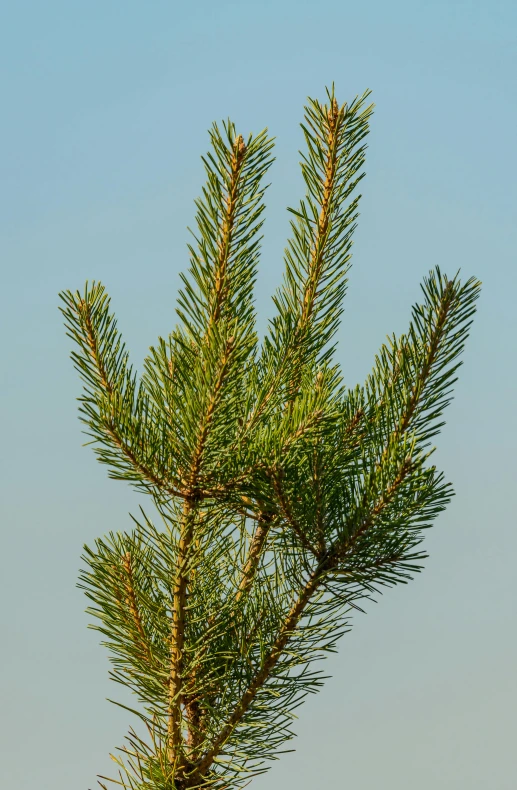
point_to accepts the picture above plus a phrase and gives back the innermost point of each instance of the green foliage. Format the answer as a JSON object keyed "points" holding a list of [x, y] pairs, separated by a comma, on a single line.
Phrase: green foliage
{"points": [[282, 498]]}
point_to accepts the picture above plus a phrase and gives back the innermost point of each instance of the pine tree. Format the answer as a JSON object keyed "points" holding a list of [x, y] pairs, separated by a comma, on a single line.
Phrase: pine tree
{"points": [[281, 497]]}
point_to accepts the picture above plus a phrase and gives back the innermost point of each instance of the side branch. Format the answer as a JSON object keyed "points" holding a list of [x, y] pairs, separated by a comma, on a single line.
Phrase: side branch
{"points": [[131, 598], [432, 352], [422, 377], [380, 506], [146, 473], [270, 662], [109, 425], [328, 563], [265, 520], [133, 607]]}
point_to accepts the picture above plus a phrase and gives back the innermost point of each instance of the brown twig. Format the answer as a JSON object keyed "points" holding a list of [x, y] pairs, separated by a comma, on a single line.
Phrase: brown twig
{"points": [[264, 523]]}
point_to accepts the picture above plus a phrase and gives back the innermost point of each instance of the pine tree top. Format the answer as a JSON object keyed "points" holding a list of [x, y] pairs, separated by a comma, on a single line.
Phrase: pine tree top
{"points": [[282, 497]]}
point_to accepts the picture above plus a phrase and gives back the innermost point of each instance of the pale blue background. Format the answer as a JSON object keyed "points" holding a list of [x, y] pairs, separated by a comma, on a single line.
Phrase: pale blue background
{"points": [[105, 107]]}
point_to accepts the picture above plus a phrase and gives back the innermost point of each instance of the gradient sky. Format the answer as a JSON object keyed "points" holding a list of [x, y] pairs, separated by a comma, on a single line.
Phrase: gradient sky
{"points": [[105, 107]]}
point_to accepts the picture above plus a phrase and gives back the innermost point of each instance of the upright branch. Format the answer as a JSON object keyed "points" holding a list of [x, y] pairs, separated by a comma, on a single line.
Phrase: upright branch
{"points": [[316, 265], [335, 117], [224, 266], [182, 576], [228, 223], [318, 254]]}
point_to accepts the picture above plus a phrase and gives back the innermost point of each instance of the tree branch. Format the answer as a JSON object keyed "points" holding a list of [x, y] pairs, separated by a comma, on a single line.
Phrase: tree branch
{"points": [[270, 662], [385, 499], [133, 606], [83, 311], [335, 116], [264, 522], [325, 565], [175, 735], [239, 152], [192, 494], [421, 380]]}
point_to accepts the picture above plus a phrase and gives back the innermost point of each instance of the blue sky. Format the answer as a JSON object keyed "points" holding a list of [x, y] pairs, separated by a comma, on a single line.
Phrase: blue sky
{"points": [[105, 107]]}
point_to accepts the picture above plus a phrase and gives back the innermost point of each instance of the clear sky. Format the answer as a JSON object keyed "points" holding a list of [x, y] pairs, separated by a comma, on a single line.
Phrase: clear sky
{"points": [[105, 106]]}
